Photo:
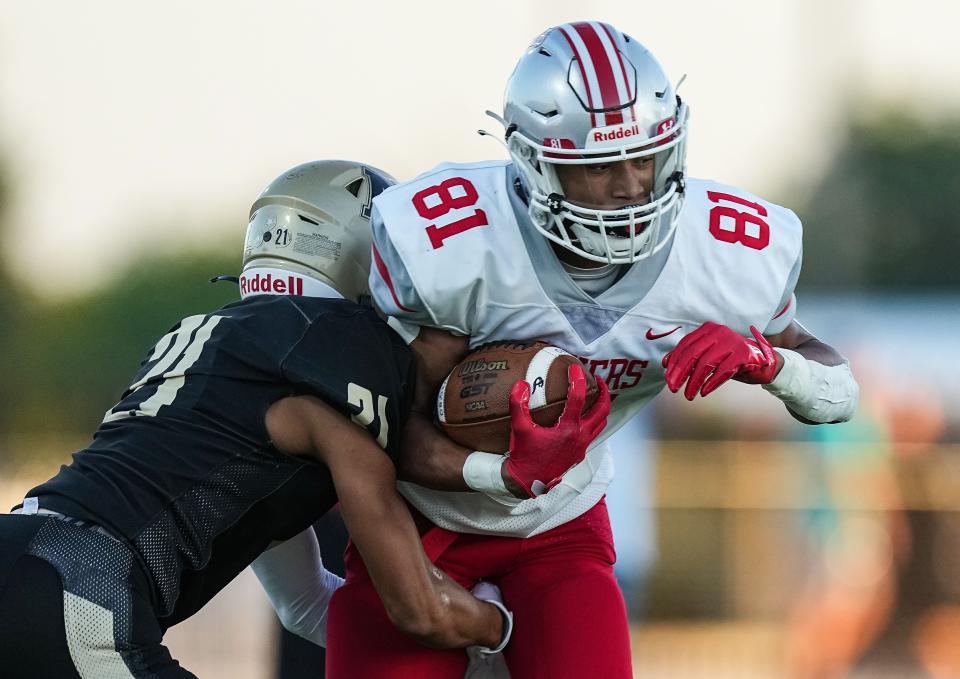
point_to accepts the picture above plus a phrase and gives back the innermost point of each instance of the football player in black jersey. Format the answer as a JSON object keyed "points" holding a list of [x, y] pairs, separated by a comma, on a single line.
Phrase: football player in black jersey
{"points": [[240, 430]]}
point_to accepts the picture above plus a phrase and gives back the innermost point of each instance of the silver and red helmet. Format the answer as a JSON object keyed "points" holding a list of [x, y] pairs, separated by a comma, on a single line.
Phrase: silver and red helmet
{"points": [[585, 93]]}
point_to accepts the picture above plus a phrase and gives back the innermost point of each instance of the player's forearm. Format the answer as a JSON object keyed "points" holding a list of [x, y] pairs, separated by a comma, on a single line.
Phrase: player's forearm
{"points": [[461, 620], [429, 458], [435, 610], [419, 598], [432, 460]]}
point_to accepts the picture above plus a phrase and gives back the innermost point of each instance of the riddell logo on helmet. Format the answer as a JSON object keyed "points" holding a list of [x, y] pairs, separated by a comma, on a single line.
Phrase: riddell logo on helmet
{"points": [[291, 285], [613, 134]]}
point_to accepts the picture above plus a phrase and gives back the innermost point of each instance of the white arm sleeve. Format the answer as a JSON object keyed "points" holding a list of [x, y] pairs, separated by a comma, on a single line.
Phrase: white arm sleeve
{"points": [[817, 392], [299, 587]]}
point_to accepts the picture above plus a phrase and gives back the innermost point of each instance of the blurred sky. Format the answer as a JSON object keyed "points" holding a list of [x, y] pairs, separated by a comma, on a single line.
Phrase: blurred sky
{"points": [[133, 126]]}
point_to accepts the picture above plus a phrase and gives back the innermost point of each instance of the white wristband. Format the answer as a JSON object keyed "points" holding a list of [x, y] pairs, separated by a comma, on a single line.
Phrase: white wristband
{"points": [[481, 471], [507, 629], [819, 393], [489, 592]]}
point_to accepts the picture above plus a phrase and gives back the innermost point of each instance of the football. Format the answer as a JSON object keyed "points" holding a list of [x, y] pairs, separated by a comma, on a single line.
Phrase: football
{"points": [[473, 405]]}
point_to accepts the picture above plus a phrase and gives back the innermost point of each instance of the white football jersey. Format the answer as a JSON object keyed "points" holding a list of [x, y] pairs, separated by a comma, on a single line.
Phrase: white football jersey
{"points": [[454, 249]]}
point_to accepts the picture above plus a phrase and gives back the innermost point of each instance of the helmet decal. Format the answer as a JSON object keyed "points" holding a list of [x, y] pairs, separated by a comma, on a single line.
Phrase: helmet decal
{"points": [[605, 80], [378, 183]]}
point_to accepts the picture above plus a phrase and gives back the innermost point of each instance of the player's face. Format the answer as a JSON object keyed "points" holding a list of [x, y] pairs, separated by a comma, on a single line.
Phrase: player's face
{"points": [[608, 186]]}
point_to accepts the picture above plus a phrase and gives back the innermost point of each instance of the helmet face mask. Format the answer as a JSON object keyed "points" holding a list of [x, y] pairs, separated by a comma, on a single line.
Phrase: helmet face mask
{"points": [[583, 94], [313, 221]]}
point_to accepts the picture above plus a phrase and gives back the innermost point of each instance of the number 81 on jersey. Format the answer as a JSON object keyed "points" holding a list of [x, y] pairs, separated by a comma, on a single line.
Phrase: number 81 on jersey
{"points": [[436, 201]]}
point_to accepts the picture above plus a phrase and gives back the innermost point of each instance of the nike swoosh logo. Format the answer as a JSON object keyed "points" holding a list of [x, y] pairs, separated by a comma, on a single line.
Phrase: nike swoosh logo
{"points": [[651, 335]]}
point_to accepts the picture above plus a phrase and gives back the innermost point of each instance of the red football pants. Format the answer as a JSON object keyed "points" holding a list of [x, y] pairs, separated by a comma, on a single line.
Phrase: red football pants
{"points": [[570, 619]]}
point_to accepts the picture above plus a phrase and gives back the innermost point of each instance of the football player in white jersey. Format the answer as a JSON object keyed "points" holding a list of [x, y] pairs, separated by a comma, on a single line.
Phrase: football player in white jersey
{"points": [[592, 238]]}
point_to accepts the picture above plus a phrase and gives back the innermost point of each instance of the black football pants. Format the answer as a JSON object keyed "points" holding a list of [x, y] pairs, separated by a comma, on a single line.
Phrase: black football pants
{"points": [[74, 605]]}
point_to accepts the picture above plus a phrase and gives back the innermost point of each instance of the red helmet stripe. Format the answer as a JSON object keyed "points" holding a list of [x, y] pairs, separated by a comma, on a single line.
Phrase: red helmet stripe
{"points": [[603, 69], [583, 72], [623, 71]]}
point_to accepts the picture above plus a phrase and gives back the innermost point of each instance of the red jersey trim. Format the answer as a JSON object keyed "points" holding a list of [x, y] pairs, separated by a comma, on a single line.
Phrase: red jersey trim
{"points": [[784, 309], [385, 275]]}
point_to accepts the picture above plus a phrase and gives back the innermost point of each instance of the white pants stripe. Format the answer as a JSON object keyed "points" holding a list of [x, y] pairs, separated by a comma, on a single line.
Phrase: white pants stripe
{"points": [[90, 639]]}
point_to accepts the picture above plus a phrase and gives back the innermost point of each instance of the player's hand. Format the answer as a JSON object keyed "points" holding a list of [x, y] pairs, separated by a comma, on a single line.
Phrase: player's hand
{"points": [[539, 456], [713, 354]]}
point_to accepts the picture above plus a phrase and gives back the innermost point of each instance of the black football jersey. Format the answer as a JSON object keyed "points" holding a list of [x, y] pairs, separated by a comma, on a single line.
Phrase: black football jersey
{"points": [[182, 467]]}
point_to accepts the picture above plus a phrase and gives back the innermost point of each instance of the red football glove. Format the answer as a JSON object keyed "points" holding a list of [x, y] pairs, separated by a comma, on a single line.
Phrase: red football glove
{"points": [[713, 354], [539, 456]]}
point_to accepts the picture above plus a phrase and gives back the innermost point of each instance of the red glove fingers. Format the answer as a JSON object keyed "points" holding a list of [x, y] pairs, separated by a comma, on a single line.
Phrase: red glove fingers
{"points": [[726, 370], [682, 359], [713, 354], [596, 417], [706, 363], [765, 368], [539, 456], [576, 396], [520, 419]]}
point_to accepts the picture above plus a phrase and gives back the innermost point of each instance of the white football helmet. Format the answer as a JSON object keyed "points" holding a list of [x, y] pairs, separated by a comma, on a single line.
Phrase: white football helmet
{"points": [[313, 221], [586, 93]]}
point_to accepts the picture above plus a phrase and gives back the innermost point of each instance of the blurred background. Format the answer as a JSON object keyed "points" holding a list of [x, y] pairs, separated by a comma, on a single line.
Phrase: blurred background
{"points": [[134, 137]]}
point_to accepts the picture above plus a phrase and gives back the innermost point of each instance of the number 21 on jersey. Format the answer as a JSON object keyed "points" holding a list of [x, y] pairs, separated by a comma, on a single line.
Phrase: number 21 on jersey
{"points": [[437, 201], [172, 356], [363, 399]]}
